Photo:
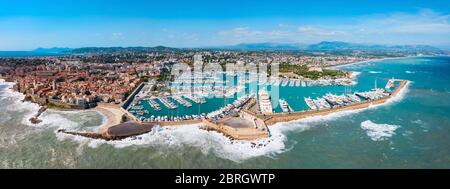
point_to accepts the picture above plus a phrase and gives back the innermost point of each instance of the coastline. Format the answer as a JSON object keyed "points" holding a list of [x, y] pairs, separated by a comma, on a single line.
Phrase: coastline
{"points": [[109, 112], [381, 59], [372, 60], [112, 115]]}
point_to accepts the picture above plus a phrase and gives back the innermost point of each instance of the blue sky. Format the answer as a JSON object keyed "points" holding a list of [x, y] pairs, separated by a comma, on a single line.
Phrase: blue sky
{"points": [[25, 25]]}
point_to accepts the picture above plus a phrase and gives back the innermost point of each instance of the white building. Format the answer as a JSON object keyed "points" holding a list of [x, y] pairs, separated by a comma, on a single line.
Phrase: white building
{"points": [[265, 105]]}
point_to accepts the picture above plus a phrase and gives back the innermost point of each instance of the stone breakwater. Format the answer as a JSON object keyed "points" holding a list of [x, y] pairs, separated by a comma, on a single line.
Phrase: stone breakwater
{"points": [[236, 133], [256, 127], [35, 119], [117, 132], [286, 117]]}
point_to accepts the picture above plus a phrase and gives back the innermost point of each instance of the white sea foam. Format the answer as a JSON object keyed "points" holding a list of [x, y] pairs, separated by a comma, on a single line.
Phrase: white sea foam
{"points": [[355, 74], [400, 96], [354, 77], [409, 72], [27, 108], [418, 122], [378, 132], [374, 72], [192, 135], [218, 144], [172, 137], [53, 119]]}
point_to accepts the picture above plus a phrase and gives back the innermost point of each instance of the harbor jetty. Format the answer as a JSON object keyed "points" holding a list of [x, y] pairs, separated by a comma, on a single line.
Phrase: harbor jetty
{"points": [[285, 117], [238, 121], [116, 132], [245, 127]]}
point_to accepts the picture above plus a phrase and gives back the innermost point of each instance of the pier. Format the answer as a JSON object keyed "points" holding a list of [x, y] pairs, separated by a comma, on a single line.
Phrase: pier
{"points": [[154, 104], [182, 101], [291, 83], [285, 117], [165, 101], [195, 99], [285, 82]]}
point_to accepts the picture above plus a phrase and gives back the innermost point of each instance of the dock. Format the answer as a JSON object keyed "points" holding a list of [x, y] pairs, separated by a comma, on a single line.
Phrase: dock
{"points": [[285, 117], [154, 104], [195, 99], [285, 82], [182, 101], [165, 101]]}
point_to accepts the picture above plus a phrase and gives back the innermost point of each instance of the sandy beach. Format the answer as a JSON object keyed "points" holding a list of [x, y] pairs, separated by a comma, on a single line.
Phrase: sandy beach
{"points": [[113, 115]]}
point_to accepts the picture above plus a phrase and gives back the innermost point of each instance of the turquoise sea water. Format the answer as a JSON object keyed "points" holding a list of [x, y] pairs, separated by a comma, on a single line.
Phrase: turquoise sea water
{"points": [[409, 132], [10, 54]]}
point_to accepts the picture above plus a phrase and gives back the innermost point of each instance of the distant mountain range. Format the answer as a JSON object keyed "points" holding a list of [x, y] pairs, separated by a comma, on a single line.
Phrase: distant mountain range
{"points": [[266, 46], [325, 46], [335, 46], [101, 50], [343, 46]]}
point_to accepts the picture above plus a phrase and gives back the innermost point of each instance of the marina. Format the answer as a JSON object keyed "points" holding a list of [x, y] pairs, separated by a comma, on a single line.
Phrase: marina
{"points": [[184, 105], [166, 102], [153, 104], [196, 99], [285, 82], [291, 83], [285, 106], [182, 101], [332, 101]]}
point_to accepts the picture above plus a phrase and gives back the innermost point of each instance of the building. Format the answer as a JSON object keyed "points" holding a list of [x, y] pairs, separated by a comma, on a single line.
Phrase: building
{"points": [[265, 105]]}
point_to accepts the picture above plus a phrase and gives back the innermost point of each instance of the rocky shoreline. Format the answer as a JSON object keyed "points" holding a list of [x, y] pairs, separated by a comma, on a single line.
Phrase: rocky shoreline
{"points": [[35, 119]]}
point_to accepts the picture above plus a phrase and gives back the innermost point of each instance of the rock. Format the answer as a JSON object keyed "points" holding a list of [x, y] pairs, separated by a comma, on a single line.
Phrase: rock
{"points": [[35, 120]]}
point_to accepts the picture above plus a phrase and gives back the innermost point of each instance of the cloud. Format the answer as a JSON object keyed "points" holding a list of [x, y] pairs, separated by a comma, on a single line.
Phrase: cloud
{"points": [[246, 34], [117, 35], [425, 22], [311, 30], [423, 27], [241, 32], [190, 37]]}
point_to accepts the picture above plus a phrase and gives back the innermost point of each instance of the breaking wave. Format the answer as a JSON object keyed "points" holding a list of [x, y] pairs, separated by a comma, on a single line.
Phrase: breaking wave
{"points": [[192, 135], [378, 132], [374, 72]]}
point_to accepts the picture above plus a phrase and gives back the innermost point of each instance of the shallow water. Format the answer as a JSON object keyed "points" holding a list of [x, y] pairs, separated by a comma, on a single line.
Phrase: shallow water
{"points": [[409, 132]]}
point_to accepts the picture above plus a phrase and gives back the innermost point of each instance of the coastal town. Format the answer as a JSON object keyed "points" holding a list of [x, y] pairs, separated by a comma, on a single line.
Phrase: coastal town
{"points": [[137, 91], [82, 81]]}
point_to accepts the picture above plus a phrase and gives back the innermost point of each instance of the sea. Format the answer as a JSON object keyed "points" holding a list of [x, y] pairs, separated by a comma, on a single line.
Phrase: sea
{"points": [[24, 54], [409, 131]]}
